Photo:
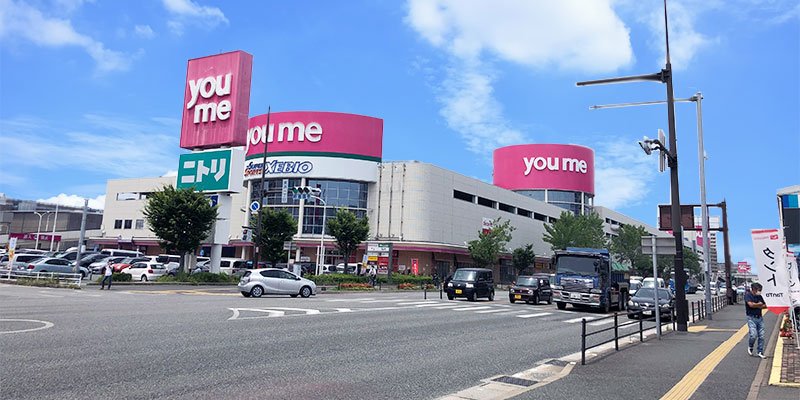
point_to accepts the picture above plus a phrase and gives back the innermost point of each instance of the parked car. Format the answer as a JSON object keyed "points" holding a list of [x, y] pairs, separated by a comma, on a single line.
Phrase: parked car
{"points": [[650, 283], [634, 285], [120, 252], [644, 299], [127, 262], [97, 266], [531, 289], [145, 271], [352, 268], [257, 282], [21, 261], [471, 283], [87, 260], [70, 255], [55, 264]]}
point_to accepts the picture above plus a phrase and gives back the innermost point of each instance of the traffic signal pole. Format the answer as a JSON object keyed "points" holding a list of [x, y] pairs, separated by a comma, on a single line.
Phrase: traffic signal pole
{"points": [[262, 194]]}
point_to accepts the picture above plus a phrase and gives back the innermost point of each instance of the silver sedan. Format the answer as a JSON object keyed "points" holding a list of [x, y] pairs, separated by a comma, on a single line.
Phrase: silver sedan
{"points": [[256, 282]]}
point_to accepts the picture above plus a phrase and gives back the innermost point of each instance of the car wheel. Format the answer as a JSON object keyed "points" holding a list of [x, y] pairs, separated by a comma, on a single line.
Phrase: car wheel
{"points": [[293, 295], [305, 292], [83, 275], [246, 294], [491, 295], [561, 305], [450, 296], [511, 299], [144, 278], [256, 291], [471, 297], [631, 316]]}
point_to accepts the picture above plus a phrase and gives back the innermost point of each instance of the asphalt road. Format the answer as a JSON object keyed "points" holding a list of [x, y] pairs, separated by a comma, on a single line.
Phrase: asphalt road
{"points": [[212, 343]]}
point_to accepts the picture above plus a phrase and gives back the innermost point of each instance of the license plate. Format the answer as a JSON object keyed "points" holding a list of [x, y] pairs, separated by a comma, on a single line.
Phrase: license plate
{"points": [[459, 291], [575, 296], [517, 296], [647, 312]]}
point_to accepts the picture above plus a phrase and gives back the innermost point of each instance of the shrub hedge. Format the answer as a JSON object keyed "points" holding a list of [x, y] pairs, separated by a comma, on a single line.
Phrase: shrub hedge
{"points": [[202, 277], [117, 277]]}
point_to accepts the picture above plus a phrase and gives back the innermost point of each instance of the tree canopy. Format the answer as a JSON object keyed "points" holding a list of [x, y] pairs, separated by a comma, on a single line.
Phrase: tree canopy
{"points": [[575, 231], [486, 249], [349, 232], [277, 226], [180, 218], [627, 248], [523, 257]]}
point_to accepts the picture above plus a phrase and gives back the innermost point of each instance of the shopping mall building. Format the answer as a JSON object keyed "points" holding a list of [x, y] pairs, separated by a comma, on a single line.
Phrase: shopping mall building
{"points": [[426, 213]]}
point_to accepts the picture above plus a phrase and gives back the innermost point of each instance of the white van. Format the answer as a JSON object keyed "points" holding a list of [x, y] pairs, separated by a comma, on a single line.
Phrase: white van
{"points": [[119, 252], [231, 265], [649, 283]]}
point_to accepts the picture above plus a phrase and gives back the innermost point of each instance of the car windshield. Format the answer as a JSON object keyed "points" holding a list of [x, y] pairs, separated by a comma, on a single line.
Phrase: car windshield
{"points": [[576, 265], [527, 281], [648, 292], [464, 275]]}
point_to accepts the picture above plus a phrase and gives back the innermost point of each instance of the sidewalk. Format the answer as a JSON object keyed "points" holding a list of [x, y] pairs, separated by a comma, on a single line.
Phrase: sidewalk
{"points": [[709, 362]]}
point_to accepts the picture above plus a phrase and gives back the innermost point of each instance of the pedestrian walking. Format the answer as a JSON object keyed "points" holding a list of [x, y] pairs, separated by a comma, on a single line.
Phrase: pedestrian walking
{"points": [[107, 277], [435, 279], [372, 275], [754, 303]]}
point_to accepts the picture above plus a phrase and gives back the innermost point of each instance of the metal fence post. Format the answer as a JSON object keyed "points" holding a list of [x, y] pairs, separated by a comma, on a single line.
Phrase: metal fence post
{"points": [[424, 291], [692, 312], [616, 332], [641, 327], [583, 341]]}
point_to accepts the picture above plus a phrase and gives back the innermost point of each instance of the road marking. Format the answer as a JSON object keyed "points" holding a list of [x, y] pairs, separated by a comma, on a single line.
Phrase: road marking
{"points": [[431, 305], [512, 312], [271, 313], [343, 309], [358, 299], [490, 311], [413, 303], [692, 380], [448, 306], [45, 325], [534, 315], [575, 320], [308, 311], [469, 308], [603, 322]]}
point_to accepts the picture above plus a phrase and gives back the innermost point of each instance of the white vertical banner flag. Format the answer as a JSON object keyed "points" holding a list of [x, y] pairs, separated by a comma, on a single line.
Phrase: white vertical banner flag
{"points": [[794, 279], [772, 272]]}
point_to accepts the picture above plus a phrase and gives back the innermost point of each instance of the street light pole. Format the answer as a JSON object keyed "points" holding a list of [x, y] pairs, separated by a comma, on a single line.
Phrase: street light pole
{"points": [[701, 158], [39, 227], [262, 193], [321, 253]]}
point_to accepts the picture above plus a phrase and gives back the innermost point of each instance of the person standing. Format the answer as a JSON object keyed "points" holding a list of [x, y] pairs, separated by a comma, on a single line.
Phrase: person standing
{"points": [[754, 303], [107, 277]]}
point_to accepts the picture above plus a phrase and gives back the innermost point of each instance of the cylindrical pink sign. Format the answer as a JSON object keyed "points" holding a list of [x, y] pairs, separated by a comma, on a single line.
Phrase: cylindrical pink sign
{"points": [[316, 133], [545, 166]]}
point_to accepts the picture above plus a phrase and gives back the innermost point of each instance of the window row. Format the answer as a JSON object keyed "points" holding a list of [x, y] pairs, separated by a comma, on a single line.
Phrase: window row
{"points": [[125, 196], [471, 198], [128, 224]]}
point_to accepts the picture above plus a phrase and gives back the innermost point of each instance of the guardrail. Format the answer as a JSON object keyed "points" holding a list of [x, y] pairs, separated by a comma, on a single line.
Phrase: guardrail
{"points": [[61, 278], [616, 327], [697, 309]]}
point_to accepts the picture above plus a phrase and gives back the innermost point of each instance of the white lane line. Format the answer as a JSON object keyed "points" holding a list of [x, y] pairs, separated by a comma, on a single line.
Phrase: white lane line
{"points": [[413, 303], [358, 299], [542, 314], [576, 320], [270, 313], [446, 307], [490, 311], [472, 308], [603, 322], [503, 305], [308, 311], [432, 305], [45, 325], [512, 312], [381, 301], [348, 310], [49, 295]]}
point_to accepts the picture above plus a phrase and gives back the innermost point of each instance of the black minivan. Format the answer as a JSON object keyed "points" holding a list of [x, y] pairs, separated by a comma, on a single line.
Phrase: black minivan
{"points": [[471, 283]]}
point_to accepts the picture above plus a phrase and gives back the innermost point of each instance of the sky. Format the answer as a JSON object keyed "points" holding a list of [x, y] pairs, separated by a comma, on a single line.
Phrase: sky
{"points": [[93, 90]]}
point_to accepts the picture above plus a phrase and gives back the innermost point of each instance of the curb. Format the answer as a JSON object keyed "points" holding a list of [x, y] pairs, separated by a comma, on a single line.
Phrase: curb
{"points": [[777, 361]]}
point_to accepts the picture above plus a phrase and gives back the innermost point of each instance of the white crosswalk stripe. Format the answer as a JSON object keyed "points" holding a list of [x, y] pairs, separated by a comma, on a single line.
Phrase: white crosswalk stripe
{"points": [[448, 307], [534, 315], [576, 320], [494, 310], [603, 322], [414, 303], [470, 308]]}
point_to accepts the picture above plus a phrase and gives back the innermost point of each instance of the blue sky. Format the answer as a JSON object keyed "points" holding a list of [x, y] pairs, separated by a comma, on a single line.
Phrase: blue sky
{"points": [[92, 90]]}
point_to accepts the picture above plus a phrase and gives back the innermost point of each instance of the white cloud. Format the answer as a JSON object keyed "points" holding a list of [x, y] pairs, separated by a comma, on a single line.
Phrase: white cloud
{"points": [[73, 200], [144, 31], [568, 35], [187, 12], [623, 174], [123, 149], [685, 42], [22, 21], [171, 172]]}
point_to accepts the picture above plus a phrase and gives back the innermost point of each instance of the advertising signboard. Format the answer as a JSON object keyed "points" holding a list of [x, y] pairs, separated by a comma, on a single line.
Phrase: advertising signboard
{"points": [[212, 170], [544, 166], [216, 101], [773, 273]]}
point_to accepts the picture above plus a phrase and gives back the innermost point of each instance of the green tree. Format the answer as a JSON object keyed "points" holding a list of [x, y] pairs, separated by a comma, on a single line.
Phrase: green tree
{"points": [[180, 218], [523, 257], [486, 249], [627, 248], [277, 226], [572, 230], [691, 264], [349, 232]]}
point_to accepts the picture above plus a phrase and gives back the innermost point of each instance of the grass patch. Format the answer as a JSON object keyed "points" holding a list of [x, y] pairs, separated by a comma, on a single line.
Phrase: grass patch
{"points": [[203, 277]]}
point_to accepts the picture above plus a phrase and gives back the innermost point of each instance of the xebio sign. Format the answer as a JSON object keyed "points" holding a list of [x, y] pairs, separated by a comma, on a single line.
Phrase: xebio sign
{"points": [[545, 166], [216, 101]]}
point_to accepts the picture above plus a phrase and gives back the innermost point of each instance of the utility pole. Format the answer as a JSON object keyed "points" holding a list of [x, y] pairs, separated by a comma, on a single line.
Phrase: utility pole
{"points": [[261, 195], [76, 269], [730, 292]]}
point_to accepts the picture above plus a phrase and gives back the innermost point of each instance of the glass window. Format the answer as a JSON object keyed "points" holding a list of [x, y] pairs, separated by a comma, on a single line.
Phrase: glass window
{"points": [[117, 224], [123, 196], [464, 275], [139, 224], [534, 194], [564, 196], [270, 273], [486, 202], [286, 275], [128, 223]]}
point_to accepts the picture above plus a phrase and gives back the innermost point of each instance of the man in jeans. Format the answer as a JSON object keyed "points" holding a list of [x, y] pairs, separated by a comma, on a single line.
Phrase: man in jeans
{"points": [[753, 303], [107, 277]]}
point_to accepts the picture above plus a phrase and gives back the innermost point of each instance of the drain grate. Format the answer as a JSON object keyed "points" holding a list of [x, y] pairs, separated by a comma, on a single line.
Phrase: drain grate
{"points": [[558, 363], [515, 381]]}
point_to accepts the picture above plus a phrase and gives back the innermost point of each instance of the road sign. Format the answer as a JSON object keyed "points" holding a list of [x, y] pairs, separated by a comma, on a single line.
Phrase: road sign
{"points": [[289, 246], [665, 217], [665, 246], [210, 171], [254, 206], [285, 191], [213, 200]]}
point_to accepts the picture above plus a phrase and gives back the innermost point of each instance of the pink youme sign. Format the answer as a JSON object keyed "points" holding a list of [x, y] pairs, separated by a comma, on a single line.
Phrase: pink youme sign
{"points": [[316, 133], [545, 166], [216, 101]]}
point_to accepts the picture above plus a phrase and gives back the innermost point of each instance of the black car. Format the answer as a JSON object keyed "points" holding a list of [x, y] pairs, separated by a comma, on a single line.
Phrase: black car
{"points": [[644, 299], [471, 283], [531, 289]]}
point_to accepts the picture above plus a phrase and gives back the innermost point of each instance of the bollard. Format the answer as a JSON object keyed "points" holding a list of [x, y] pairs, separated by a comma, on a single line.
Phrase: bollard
{"points": [[440, 293], [692, 312], [616, 332], [583, 341], [425, 292], [641, 327]]}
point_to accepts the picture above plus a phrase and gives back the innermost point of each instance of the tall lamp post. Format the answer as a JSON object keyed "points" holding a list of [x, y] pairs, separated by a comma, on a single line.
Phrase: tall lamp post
{"points": [[39, 227], [321, 252], [665, 76], [697, 99]]}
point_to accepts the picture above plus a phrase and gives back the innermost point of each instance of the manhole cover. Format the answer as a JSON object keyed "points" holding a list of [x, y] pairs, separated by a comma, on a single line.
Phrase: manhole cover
{"points": [[515, 381]]}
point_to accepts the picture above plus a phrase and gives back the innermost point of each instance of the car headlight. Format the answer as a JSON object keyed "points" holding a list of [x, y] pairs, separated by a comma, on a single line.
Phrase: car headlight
{"points": [[469, 285], [633, 303], [530, 291], [511, 290], [665, 306], [450, 284]]}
